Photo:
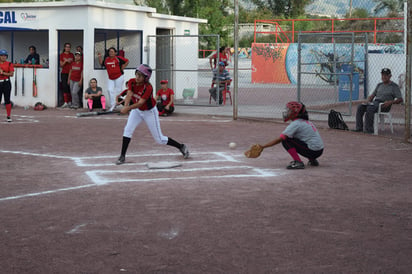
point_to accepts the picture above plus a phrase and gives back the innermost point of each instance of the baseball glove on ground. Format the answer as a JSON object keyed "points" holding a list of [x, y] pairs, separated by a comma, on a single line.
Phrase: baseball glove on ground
{"points": [[254, 151]]}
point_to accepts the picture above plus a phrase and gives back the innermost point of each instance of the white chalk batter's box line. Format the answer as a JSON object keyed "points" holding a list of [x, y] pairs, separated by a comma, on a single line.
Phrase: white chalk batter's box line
{"points": [[21, 119], [199, 157], [104, 177], [231, 171]]}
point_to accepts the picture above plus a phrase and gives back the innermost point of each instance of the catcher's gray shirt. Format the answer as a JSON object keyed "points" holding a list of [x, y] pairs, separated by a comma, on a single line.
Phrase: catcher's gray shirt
{"points": [[387, 92], [306, 132]]}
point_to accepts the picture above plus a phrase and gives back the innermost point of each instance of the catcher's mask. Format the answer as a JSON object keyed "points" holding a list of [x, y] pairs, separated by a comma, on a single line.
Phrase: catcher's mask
{"points": [[292, 111]]}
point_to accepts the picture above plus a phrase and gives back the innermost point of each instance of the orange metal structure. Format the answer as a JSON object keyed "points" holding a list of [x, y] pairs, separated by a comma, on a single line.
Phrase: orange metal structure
{"points": [[283, 36]]}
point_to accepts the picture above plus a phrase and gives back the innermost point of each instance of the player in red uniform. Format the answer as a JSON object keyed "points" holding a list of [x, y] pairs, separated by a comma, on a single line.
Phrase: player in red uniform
{"points": [[76, 79], [143, 108], [66, 58], [222, 58], [114, 66], [6, 71], [166, 96]]}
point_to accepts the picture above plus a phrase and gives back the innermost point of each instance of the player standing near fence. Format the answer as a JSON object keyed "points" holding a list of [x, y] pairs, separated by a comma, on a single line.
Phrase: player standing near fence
{"points": [[6, 71], [143, 108], [299, 137], [115, 66]]}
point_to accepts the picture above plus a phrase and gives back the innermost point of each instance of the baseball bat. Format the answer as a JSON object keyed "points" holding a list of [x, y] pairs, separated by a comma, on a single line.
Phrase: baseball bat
{"points": [[22, 81], [15, 82], [95, 113], [34, 82]]}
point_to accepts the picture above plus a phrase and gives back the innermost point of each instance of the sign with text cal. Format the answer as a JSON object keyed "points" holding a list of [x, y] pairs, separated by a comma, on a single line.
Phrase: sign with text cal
{"points": [[8, 17]]}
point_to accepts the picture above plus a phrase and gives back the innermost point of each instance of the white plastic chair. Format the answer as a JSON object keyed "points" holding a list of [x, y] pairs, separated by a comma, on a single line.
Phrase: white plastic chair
{"points": [[379, 118]]}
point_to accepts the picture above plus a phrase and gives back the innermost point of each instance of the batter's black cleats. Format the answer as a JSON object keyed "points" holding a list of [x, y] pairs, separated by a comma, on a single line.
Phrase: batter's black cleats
{"points": [[121, 160], [185, 151]]}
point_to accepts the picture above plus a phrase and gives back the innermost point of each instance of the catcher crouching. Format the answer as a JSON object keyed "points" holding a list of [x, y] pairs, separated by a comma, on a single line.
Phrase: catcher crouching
{"points": [[300, 137]]}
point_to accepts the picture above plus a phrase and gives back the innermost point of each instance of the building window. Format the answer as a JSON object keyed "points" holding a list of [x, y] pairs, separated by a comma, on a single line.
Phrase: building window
{"points": [[128, 42], [17, 43]]}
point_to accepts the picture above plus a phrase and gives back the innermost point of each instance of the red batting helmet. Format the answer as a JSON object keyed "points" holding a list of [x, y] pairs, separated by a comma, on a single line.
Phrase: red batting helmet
{"points": [[292, 111], [145, 70]]}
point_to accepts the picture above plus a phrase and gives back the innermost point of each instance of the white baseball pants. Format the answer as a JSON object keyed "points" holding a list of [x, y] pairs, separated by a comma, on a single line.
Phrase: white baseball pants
{"points": [[151, 118], [114, 87]]}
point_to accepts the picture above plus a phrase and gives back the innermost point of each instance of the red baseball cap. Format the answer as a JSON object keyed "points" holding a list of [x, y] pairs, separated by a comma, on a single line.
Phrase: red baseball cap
{"points": [[164, 82]]}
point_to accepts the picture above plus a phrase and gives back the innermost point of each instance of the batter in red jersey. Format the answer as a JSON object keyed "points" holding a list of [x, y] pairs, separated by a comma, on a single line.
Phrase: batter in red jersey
{"points": [[142, 107], [114, 65]]}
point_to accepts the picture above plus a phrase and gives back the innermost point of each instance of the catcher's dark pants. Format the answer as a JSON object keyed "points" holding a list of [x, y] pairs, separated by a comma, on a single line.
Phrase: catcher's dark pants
{"points": [[301, 148], [370, 110]]}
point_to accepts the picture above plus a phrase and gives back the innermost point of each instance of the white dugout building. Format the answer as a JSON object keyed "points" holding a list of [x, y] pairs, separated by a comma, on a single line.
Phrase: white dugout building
{"points": [[144, 35]]}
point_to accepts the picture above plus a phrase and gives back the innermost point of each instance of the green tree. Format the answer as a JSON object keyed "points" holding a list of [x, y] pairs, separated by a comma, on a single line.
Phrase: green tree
{"points": [[219, 14], [393, 7], [283, 8]]}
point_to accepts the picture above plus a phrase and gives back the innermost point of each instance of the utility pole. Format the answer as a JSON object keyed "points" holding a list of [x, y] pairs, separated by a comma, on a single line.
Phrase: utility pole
{"points": [[408, 73], [235, 61]]}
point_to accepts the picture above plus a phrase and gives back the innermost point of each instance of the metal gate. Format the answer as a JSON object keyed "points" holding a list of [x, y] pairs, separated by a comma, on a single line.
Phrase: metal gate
{"points": [[177, 58]]}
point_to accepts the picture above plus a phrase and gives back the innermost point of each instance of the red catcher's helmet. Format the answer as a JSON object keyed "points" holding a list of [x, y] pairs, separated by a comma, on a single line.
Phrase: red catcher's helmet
{"points": [[145, 70], [292, 111]]}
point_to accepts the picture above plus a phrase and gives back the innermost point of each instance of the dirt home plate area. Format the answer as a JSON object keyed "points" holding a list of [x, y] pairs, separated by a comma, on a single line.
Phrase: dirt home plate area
{"points": [[67, 208]]}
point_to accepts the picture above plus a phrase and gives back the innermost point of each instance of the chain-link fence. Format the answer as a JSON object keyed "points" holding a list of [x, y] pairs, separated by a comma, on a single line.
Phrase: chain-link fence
{"points": [[331, 71], [323, 70], [178, 60]]}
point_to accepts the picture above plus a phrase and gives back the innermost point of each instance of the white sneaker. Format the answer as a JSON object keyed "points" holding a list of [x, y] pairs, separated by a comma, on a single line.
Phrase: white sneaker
{"points": [[65, 105], [9, 120]]}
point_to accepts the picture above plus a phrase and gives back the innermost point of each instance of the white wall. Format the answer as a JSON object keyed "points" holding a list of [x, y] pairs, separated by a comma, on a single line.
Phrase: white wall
{"points": [[85, 15], [395, 62]]}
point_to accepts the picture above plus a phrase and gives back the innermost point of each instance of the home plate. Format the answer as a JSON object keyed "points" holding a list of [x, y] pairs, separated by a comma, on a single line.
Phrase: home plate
{"points": [[158, 165]]}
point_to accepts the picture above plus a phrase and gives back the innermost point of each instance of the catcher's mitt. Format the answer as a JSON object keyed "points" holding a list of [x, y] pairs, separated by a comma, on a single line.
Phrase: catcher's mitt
{"points": [[254, 151]]}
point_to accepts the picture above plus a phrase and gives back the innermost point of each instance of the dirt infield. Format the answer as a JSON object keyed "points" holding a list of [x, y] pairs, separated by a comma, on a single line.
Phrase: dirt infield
{"points": [[66, 208]]}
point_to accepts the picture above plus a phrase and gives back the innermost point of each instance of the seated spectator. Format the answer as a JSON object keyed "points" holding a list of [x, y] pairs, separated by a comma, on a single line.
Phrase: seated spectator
{"points": [[94, 96], [165, 97], [122, 95], [33, 55], [222, 76], [386, 92]]}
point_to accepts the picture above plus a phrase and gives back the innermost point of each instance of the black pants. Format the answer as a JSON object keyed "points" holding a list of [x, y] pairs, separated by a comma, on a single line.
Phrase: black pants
{"points": [[301, 148], [63, 88], [5, 88], [369, 111], [161, 107]]}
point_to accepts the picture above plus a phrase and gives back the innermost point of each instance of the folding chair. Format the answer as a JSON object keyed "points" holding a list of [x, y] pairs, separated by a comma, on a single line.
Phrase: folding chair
{"points": [[379, 118], [225, 92]]}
